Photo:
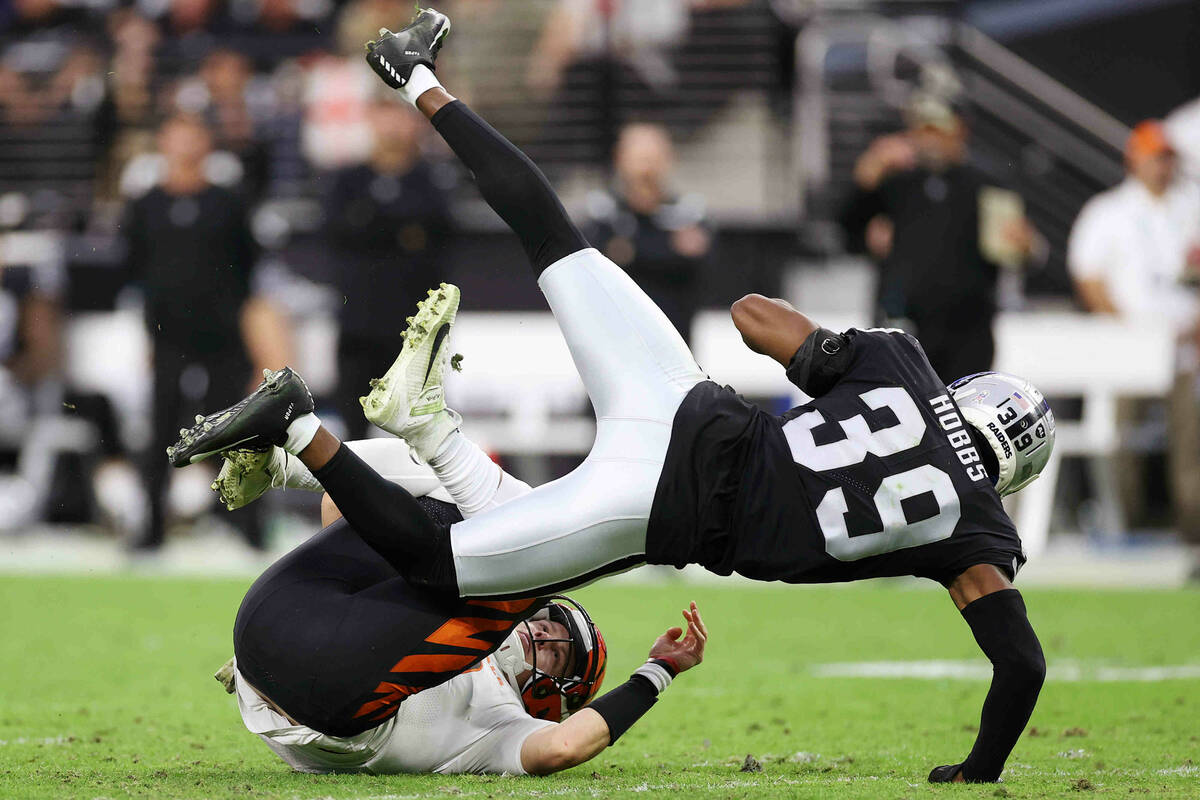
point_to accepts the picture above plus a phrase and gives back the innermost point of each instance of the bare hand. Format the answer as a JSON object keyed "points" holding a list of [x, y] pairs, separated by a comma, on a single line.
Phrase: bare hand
{"points": [[1019, 234], [886, 154], [879, 236], [687, 652], [691, 242]]}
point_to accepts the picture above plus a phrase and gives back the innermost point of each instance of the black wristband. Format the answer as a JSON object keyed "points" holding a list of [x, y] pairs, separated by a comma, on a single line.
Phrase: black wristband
{"points": [[625, 705]]}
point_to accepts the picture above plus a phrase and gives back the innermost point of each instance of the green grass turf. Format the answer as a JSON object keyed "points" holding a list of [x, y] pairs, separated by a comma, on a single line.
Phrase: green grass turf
{"points": [[106, 692]]}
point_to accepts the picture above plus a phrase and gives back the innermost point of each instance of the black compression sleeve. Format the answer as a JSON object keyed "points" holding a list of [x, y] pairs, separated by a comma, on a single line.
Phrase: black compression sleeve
{"points": [[1001, 627], [391, 521], [625, 705], [512, 185]]}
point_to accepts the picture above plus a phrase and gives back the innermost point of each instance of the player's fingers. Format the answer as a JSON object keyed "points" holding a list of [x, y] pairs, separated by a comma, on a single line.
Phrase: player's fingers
{"points": [[699, 621], [673, 633]]}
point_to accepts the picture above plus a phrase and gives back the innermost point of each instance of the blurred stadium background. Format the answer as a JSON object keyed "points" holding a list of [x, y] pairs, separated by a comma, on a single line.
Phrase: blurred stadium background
{"points": [[714, 147]]}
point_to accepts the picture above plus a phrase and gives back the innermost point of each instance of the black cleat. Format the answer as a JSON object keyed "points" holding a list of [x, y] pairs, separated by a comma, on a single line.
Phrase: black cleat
{"points": [[255, 423], [394, 55]]}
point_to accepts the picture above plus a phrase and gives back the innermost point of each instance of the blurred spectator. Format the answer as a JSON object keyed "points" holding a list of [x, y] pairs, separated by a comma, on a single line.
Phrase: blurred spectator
{"points": [[278, 18], [336, 130], [236, 107], [488, 33], [37, 439], [937, 227], [1134, 251], [51, 95], [31, 281], [191, 249], [24, 17], [191, 16], [595, 57], [387, 220], [339, 88], [361, 20], [593, 32], [1183, 129], [132, 72], [660, 239]]}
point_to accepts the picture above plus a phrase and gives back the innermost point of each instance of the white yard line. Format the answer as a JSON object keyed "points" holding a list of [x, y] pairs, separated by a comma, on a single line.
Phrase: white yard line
{"points": [[1061, 672]]}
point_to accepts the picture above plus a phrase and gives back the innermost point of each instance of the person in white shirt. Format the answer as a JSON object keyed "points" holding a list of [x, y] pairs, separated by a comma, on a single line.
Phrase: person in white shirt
{"points": [[1183, 129], [1134, 252], [445, 710]]}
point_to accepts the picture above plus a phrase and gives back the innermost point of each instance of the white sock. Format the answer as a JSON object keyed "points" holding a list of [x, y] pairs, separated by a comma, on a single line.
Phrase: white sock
{"points": [[300, 433], [420, 81], [472, 479]]}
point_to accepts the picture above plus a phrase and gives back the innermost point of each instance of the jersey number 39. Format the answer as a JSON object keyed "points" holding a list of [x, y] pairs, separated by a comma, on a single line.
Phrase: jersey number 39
{"points": [[897, 532]]}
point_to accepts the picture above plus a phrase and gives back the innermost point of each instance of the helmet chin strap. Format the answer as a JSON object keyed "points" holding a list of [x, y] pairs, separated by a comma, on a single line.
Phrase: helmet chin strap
{"points": [[528, 667], [511, 658]]}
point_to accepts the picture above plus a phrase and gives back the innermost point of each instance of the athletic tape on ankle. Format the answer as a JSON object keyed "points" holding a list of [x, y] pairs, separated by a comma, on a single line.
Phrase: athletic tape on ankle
{"points": [[301, 432], [420, 81]]}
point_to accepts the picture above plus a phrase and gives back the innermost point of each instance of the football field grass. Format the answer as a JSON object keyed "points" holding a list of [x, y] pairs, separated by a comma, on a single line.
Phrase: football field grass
{"points": [[106, 691]]}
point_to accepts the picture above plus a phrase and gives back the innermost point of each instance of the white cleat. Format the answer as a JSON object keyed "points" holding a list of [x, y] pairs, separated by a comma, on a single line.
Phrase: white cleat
{"points": [[410, 400]]}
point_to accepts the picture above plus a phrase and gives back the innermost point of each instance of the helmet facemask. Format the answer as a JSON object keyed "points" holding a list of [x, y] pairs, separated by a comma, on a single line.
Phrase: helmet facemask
{"points": [[585, 667]]}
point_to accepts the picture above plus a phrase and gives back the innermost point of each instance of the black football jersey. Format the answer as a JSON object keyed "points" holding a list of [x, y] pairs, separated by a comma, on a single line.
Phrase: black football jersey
{"points": [[878, 475]]}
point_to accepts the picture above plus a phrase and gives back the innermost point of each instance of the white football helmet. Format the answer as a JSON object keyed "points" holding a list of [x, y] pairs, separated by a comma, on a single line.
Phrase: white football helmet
{"points": [[1015, 420]]}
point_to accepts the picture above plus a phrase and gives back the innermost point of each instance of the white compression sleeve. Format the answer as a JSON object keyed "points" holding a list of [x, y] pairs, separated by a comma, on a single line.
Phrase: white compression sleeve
{"points": [[476, 483]]}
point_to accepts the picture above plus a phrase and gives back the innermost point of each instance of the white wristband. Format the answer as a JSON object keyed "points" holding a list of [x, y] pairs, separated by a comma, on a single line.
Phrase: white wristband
{"points": [[420, 81], [655, 673]]}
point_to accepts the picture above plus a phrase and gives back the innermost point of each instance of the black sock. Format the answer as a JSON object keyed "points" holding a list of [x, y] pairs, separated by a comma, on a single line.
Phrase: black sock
{"points": [[391, 521], [512, 185], [1002, 629]]}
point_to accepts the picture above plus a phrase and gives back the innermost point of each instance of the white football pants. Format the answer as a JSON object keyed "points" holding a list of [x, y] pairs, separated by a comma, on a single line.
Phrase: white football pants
{"points": [[636, 369]]}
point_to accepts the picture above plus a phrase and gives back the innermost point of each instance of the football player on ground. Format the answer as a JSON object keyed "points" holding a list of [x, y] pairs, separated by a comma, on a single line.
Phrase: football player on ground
{"points": [[885, 472], [341, 666]]}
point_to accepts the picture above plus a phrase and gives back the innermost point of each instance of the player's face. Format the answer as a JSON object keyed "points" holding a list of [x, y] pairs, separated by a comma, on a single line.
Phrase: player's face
{"points": [[553, 657]]}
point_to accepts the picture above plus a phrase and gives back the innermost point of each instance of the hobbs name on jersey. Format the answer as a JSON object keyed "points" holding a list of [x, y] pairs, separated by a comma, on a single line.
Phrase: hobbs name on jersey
{"points": [[958, 436]]}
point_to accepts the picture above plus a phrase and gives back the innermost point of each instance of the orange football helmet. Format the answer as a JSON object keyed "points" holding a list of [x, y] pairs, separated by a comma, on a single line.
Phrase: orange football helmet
{"points": [[555, 698]]}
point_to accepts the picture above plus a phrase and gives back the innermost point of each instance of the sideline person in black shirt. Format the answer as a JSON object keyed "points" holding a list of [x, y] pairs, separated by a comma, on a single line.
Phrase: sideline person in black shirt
{"points": [[191, 250], [661, 240], [387, 221], [886, 472], [916, 209]]}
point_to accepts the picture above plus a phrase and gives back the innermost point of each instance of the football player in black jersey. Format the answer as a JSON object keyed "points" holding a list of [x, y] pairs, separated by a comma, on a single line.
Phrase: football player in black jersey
{"points": [[884, 472]]}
